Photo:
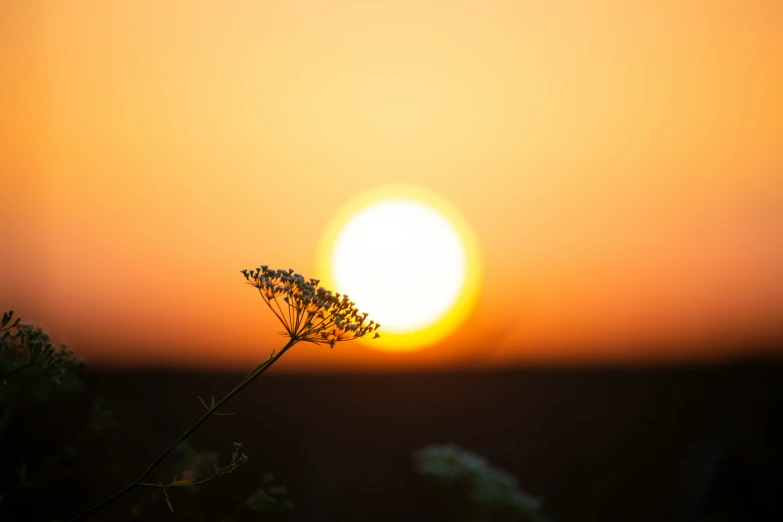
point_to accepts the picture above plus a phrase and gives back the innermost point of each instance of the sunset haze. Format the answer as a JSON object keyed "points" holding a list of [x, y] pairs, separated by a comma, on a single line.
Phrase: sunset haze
{"points": [[620, 164]]}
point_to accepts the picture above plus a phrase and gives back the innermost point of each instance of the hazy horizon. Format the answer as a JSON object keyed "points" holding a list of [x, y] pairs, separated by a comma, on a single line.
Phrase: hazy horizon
{"points": [[620, 167]]}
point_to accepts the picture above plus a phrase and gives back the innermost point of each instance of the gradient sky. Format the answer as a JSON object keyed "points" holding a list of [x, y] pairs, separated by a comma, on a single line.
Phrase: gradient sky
{"points": [[621, 164]]}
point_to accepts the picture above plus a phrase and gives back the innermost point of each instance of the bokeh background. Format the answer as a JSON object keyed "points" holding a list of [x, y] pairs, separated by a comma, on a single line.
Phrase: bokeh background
{"points": [[619, 161]]}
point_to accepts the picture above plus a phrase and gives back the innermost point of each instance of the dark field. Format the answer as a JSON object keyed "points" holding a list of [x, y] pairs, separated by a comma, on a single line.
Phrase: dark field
{"points": [[675, 443]]}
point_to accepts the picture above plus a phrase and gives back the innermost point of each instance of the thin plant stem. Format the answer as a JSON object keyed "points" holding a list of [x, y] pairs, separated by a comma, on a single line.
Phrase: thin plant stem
{"points": [[258, 370]]}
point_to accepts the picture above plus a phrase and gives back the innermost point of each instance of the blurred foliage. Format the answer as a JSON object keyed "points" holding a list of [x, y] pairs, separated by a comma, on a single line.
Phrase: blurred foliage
{"points": [[32, 368], [39, 383], [100, 421], [267, 499], [270, 497], [476, 490]]}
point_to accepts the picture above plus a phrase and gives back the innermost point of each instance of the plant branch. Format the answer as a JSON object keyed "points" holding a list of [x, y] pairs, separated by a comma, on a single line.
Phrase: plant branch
{"points": [[258, 370]]}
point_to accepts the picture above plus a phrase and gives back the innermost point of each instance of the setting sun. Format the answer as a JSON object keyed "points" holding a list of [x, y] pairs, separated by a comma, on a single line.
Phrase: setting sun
{"points": [[594, 181], [405, 255]]}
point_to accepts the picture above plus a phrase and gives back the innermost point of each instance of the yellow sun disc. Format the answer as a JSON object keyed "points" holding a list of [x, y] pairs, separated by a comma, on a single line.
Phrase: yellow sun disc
{"points": [[407, 257]]}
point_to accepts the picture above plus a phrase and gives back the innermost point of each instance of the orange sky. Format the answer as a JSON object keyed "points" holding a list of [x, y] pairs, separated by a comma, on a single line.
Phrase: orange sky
{"points": [[620, 164]]}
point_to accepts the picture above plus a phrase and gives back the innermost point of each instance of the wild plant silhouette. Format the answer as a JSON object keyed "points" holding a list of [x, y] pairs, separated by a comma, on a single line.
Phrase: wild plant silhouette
{"points": [[309, 313]]}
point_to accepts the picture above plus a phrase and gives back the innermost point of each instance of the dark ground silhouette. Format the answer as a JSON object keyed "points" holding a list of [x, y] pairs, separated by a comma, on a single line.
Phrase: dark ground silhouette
{"points": [[691, 443]]}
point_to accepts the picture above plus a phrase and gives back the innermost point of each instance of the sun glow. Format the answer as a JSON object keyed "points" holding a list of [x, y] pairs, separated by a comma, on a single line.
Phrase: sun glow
{"points": [[406, 257]]}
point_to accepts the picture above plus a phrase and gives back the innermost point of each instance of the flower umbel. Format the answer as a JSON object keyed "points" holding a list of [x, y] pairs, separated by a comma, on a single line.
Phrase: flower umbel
{"points": [[310, 313]]}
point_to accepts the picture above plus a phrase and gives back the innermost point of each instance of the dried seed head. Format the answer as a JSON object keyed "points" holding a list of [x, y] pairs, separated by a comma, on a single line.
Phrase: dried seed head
{"points": [[314, 313]]}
